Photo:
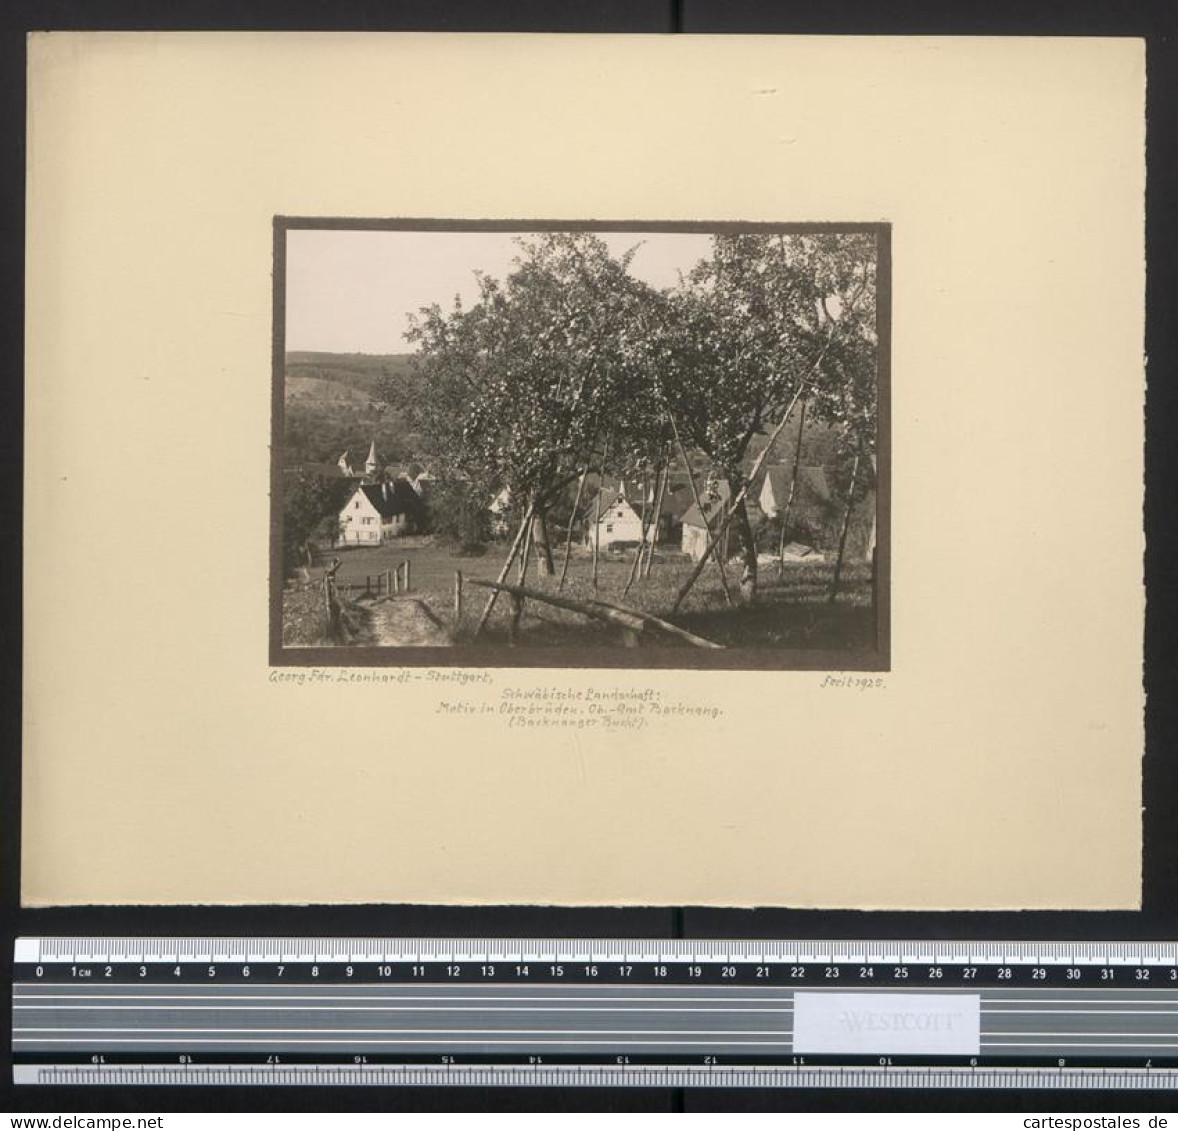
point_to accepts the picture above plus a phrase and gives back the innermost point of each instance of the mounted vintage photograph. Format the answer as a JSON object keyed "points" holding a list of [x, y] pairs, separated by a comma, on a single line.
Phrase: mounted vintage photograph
{"points": [[606, 445]]}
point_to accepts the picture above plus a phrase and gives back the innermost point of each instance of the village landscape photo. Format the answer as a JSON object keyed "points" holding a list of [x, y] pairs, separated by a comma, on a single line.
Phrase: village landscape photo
{"points": [[587, 447]]}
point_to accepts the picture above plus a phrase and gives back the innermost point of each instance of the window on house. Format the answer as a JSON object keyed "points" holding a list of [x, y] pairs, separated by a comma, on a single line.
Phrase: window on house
{"points": [[609, 528], [356, 504]]}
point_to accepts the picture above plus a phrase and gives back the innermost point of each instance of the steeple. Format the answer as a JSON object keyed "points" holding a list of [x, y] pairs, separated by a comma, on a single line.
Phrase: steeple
{"points": [[370, 463]]}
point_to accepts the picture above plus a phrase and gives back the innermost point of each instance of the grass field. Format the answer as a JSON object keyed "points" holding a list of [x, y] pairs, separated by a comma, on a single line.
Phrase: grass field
{"points": [[791, 610]]}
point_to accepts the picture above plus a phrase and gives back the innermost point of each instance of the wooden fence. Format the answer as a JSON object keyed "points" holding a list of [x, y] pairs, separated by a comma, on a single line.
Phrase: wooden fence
{"points": [[387, 583]]}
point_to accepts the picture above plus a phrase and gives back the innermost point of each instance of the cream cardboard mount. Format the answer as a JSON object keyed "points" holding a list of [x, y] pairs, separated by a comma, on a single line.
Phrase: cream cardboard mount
{"points": [[996, 765]]}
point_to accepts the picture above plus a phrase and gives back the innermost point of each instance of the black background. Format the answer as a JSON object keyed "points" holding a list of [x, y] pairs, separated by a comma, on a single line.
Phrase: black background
{"points": [[1157, 22]]}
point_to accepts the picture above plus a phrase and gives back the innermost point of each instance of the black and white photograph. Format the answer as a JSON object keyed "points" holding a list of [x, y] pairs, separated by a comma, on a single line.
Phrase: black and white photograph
{"points": [[584, 445]]}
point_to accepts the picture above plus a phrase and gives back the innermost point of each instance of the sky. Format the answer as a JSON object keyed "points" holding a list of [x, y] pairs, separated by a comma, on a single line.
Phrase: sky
{"points": [[351, 292]]}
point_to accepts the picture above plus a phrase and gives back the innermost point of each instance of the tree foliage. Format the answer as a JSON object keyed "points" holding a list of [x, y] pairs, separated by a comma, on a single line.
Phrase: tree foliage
{"points": [[766, 320], [570, 357], [522, 388], [308, 508]]}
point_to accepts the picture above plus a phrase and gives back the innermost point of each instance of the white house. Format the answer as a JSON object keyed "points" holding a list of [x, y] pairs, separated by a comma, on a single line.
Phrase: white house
{"points": [[377, 512], [619, 519]]}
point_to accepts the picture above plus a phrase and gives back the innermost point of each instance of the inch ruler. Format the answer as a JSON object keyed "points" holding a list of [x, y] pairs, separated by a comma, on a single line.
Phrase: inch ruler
{"points": [[595, 1012]]}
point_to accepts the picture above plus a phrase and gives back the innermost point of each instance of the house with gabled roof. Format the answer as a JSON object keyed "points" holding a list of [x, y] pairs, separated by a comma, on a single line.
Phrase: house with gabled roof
{"points": [[377, 512], [614, 517]]}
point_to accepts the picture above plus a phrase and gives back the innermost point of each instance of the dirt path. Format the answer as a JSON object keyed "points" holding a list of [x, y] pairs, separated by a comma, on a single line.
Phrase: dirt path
{"points": [[403, 621]]}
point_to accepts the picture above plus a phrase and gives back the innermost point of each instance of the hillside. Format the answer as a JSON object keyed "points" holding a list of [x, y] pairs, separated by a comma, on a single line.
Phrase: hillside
{"points": [[333, 405]]}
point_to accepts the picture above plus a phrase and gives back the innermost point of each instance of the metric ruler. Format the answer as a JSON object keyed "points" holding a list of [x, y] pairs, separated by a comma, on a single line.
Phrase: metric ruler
{"points": [[600, 1012]]}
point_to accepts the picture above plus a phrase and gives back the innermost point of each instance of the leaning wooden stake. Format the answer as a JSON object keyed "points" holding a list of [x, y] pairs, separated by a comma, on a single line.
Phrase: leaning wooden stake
{"points": [[637, 565], [620, 615], [568, 538], [793, 486], [838, 564], [597, 514], [703, 514], [658, 509], [515, 546]]}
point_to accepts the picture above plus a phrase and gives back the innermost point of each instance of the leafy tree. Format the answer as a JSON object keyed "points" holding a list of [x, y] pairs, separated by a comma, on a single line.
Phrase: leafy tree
{"points": [[306, 505], [765, 320], [459, 513], [521, 388]]}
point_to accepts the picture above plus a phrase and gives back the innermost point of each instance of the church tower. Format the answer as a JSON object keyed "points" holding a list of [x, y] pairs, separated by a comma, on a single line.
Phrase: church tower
{"points": [[370, 463]]}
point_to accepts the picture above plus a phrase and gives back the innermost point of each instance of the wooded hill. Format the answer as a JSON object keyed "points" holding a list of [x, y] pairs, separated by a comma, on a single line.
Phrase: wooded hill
{"points": [[333, 403]]}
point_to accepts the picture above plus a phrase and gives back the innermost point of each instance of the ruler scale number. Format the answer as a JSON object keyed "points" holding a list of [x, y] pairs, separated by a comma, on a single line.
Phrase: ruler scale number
{"points": [[633, 1012]]}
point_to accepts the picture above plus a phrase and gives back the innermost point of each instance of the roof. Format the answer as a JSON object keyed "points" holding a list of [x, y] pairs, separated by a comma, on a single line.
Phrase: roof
{"points": [[812, 486], [677, 500], [606, 498], [677, 497], [392, 498]]}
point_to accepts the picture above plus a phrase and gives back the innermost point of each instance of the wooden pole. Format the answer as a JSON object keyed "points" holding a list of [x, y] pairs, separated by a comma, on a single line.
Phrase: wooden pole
{"points": [[703, 514], [515, 547], [658, 508], [457, 597], [568, 538], [525, 555], [597, 513], [634, 569], [838, 564], [408, 575], [602, 610], [793, 486]]}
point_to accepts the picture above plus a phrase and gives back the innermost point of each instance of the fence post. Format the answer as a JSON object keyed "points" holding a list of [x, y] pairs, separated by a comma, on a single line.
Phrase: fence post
{"points": [[368, 585], [517, 610], [458, 596]]}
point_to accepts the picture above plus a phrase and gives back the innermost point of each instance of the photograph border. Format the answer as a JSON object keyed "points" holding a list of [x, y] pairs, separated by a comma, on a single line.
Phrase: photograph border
{"points": [[877, 659]]}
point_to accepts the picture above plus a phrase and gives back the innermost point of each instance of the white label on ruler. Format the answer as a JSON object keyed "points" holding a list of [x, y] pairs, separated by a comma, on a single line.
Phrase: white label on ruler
{"points": [[943, 1023]]}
